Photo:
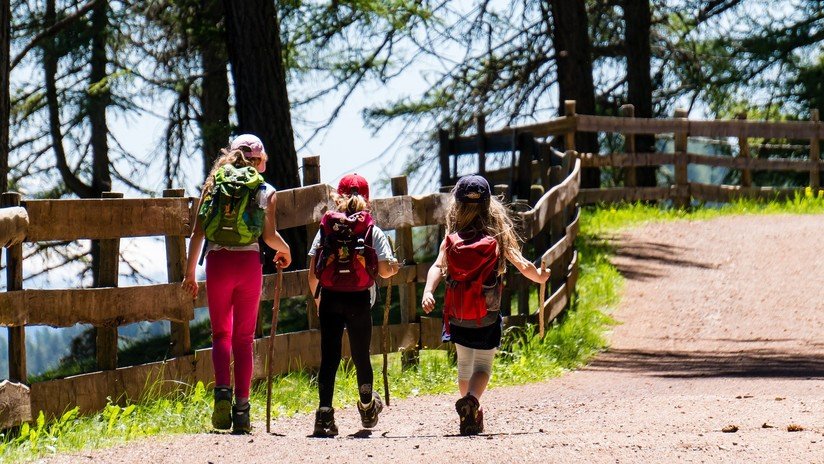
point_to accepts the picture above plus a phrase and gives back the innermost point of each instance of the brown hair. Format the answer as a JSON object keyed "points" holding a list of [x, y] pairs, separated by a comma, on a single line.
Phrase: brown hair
{"points": [[233, 157], [350, 204], [489, 217]]}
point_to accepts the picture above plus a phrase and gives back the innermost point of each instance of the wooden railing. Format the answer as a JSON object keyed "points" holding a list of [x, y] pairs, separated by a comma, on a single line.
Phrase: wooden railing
{"points": [[553, 219], [536, 156], [683, 190]]}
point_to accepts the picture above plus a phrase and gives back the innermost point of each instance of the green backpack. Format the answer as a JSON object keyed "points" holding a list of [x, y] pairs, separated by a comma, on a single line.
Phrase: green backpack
{"points": [[230, 216]]}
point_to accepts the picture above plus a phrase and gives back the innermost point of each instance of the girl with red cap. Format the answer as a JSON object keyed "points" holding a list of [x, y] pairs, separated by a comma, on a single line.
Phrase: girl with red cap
{"points": [[346, 254], [233, 276], [479, 233]]}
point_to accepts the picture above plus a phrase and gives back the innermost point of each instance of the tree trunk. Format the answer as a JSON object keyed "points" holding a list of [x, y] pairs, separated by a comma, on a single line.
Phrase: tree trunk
{"points": [[5, 108], [637, 19], [214, 99], [73, 183], [262, 103], [573, 51], [99, 97]]}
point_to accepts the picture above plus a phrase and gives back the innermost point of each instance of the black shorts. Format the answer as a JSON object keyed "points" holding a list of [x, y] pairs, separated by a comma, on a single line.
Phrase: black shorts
{"points": [[480, 338]]}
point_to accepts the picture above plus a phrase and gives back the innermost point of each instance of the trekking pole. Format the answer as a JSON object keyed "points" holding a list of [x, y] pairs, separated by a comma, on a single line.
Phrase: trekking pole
{"points": [[385, 335], [270, 354], [541, 292]]}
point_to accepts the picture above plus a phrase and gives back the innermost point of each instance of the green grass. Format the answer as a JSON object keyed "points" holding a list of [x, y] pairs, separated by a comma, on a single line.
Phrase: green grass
{"points": [[604, 219], [524, 356]]}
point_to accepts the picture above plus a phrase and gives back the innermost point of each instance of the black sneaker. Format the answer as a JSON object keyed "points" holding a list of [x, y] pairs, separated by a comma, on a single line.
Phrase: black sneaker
{"points": [[467, 408], [222, 412], [241, 424], [369, 412], [325, 423]]}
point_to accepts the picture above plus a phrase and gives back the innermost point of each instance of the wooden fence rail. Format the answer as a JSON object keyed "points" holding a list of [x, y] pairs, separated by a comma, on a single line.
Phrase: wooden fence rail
{"points": [[107, 220], [680, 127]]}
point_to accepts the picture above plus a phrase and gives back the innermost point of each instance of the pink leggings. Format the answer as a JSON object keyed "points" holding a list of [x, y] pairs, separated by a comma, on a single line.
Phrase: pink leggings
{"points": [[233, 283]]}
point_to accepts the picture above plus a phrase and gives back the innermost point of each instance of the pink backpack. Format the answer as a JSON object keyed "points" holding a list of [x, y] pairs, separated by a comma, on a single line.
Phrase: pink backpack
{"points": [[346, 260]]}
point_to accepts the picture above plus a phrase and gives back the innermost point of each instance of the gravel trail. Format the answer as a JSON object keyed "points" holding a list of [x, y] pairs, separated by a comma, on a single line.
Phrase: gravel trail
{"points": [[720, 325]]}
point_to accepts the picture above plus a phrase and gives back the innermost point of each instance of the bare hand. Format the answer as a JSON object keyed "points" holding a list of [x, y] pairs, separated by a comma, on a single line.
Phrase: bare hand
{"points": [[543, 275], [283, 259], [428, 302], [189, 284]]}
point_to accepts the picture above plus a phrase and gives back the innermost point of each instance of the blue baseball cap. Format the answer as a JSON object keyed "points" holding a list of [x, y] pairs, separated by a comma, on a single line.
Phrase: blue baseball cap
{"points": [[472, 189]]}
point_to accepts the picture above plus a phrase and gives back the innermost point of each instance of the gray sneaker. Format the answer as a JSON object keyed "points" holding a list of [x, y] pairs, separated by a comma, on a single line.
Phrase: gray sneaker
{"points": [[325, 423], [222, 412], [369, 412]]}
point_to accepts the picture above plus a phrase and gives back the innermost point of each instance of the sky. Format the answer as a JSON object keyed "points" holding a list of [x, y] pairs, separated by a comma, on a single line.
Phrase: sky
{"points": [[347, 146]]}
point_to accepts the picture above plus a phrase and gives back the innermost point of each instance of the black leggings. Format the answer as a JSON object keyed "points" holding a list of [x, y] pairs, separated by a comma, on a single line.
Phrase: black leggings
{"points": [[352, 310]]}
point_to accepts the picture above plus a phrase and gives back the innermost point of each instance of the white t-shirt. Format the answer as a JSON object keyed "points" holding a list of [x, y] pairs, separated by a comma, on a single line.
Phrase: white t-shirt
{"points": [[381, 245], [262, 198]]}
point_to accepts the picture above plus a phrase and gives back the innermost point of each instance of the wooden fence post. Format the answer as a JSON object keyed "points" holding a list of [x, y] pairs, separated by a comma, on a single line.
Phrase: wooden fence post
{"points": [[501, 191], [744, 152], [557, 230], [545, 155], [682, 195], [311, 176], [526, 145], [180, 337], [540, 240], [408, 298], [443, 156], [815, 155], [481, 139], [108, 277], [567, 165], [14, 281], [630, 176], [569, 137]]}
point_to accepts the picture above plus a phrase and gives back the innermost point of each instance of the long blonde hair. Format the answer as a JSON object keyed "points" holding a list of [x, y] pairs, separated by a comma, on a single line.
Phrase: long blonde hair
{"points": [[233, 157], [489, 217], [350, 204]]}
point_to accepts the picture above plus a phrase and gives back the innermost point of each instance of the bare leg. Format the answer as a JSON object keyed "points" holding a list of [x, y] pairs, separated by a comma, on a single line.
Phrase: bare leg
{"points": [[477, 384]]}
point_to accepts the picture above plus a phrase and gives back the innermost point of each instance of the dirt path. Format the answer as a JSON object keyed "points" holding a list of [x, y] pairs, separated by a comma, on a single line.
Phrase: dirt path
{"points": [[721, 325]]}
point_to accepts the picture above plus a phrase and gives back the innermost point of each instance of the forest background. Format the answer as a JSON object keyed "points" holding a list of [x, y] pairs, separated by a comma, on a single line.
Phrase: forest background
{"points": [[138, 96]]}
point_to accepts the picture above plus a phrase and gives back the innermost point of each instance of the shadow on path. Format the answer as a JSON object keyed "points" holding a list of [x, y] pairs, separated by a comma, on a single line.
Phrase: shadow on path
{"points": [[685, 364]]}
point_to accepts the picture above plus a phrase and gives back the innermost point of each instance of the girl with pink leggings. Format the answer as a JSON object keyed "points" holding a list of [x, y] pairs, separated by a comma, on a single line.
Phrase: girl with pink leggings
{"points": [[235, 281], [234, 277]]}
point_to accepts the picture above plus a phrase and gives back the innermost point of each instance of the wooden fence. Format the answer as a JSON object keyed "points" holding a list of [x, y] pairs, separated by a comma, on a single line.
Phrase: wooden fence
{"points": [[537, 155], [553, 219]]}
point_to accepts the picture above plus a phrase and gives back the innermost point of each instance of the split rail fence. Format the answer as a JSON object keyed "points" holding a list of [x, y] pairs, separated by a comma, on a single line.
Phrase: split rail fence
{"points": [[554, 217], [803, 134]]}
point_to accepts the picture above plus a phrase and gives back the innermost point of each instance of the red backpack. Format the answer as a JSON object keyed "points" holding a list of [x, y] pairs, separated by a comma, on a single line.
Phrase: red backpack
{"points": [[346, 260], [472, 282]]}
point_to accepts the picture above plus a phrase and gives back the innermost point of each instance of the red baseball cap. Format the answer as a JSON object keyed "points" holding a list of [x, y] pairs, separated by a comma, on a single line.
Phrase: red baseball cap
{"points": [[354, 184], [249, 144]]}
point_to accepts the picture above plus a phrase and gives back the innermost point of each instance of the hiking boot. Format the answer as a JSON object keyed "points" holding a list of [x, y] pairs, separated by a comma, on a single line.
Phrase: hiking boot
{"points": [[241, 423], [467, 408], [480, 420], [325, 423], [369, 412], [222, 412]]}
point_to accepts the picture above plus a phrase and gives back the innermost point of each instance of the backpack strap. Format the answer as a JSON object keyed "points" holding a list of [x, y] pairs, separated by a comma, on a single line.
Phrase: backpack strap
{"points": [[319, 253], [203, 252]]}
